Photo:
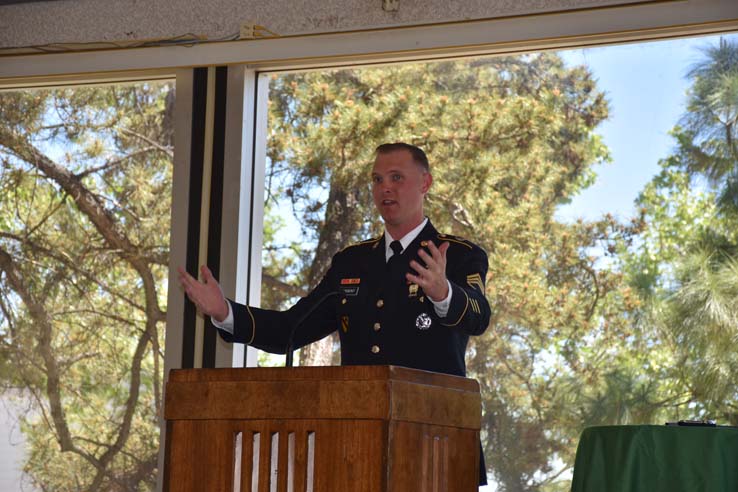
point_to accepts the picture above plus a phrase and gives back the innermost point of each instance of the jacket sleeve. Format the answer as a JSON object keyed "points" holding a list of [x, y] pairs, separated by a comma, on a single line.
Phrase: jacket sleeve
{"points": [[269, 330], [469, 310]]}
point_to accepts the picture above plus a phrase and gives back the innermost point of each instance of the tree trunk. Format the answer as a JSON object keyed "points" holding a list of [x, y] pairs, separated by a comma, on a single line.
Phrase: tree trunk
{"points": [[342, 220]]}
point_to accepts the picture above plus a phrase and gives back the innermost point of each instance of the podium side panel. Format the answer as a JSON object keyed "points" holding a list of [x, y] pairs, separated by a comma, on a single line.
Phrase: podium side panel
{"points": [[352, 456], [200, 456], [432, 458]]}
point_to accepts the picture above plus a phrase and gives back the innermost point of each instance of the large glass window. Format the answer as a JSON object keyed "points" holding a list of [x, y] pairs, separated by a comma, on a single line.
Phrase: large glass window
{"points": [[85, 198], [602, 184]]}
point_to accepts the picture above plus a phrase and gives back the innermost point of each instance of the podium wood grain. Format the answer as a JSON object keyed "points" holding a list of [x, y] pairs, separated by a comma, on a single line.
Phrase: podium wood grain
{"points": [[321, 429]]}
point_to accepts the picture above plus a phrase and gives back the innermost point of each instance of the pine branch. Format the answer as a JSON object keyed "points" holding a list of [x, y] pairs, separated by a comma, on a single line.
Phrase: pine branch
{"points": [[166, 150]]}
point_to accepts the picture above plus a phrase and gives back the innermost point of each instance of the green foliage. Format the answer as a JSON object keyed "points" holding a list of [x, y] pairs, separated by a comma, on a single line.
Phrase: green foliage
{"points": [[83, 289], [707, 141], [685, 264]]}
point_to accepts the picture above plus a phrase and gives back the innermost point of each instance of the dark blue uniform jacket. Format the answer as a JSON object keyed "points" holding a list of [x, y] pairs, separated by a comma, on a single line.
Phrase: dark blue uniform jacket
{"points": [[380, 317]]}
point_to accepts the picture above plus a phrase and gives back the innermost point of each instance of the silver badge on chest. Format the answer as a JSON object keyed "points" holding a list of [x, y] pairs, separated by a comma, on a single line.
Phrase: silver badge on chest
{"points": [[423, 321]]}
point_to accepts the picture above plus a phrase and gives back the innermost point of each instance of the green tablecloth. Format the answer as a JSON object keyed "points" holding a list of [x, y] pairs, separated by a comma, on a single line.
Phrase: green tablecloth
{"points": [[654, 458]]}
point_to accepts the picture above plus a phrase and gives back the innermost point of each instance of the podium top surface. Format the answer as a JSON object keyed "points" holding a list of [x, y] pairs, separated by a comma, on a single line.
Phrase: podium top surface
{"points": [[324, 373]]}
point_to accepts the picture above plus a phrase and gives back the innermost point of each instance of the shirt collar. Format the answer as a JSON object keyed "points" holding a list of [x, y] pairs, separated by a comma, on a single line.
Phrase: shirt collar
{"points": [[405, 240]]}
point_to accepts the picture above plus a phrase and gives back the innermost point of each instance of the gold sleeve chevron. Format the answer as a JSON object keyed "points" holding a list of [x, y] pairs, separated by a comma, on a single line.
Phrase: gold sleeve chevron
{"points": [[475, 306], [475, 281]]}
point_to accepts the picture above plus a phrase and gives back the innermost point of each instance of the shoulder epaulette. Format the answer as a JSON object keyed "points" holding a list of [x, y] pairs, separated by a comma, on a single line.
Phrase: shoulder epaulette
{"points": [[375, 242], [455, 239]]}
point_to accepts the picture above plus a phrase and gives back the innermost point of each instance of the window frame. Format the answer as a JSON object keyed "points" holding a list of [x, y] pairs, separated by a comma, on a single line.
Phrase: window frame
{"points": [[632, 22]]}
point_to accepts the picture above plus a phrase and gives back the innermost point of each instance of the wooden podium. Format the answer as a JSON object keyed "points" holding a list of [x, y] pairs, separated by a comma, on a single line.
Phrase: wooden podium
{"points": [[321, 429]]}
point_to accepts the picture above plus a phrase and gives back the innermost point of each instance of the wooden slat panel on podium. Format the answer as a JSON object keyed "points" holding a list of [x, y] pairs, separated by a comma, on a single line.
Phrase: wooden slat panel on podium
{"points": [[321, 429]]}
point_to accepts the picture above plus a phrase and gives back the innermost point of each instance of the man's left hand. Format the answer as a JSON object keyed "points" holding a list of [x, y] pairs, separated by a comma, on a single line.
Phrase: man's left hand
{"points": [[431, 277]]}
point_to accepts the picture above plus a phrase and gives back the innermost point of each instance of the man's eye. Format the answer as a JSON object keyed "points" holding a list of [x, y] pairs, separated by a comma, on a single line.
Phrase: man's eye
{"points": [[376, 179], [396, 177]]}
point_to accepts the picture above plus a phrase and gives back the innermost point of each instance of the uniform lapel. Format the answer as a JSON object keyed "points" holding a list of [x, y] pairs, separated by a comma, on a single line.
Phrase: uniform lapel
{"points": [[397, 288], [374, 267], [428, 233]]}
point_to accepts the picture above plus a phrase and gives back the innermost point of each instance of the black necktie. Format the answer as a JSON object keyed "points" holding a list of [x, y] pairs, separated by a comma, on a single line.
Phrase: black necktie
{"points": [[396, 248]]}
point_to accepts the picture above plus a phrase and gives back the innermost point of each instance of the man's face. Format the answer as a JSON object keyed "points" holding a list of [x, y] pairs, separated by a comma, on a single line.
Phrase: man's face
{"points": [[398, 187]]}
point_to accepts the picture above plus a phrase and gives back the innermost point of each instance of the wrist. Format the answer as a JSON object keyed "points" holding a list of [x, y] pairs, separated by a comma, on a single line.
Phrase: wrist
{"points": [[443, 294], [222, 314]]}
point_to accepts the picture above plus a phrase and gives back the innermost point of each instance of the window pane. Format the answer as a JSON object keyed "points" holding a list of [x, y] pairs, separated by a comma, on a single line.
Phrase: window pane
{"points": [[602, 184], [84, 227]]}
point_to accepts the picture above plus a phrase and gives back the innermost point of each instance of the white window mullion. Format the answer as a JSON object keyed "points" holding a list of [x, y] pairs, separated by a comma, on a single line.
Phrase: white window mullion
{"points": [[243, 199]]}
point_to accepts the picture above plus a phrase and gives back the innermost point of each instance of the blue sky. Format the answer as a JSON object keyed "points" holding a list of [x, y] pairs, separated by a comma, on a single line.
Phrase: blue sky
{"points": [[646, 86]]}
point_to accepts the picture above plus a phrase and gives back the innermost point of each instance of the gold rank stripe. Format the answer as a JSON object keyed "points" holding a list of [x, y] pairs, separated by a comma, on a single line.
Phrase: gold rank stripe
{"points": [[475, 280], [475, 306]]}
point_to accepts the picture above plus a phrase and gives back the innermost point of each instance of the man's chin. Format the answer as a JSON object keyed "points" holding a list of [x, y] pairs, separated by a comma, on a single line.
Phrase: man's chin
{"points": [[390, 220]]}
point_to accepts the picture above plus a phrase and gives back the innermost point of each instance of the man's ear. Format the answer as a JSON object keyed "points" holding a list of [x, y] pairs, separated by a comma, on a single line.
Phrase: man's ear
{"points": [[427, 182]]}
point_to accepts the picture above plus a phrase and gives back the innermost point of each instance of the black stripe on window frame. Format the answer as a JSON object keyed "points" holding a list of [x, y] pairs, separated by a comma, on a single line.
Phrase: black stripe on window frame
{"points": [[215, 221], [197, 149]]}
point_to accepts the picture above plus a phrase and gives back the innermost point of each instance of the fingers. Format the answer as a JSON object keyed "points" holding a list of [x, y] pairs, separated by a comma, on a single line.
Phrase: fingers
{"points": [[210, 280], [185, 278], [207, 275], [437, 256], [418, 268], [192, 287], [188, 282], [207, 296], [443, 248], [431, 277], [417, 279]]}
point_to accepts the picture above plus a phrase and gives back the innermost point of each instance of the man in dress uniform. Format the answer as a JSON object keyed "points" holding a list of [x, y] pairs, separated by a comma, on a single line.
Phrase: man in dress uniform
{"points": [[411, 297]]}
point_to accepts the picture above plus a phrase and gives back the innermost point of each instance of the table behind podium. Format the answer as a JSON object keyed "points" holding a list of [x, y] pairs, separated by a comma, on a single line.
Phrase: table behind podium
{"points": [[656, 458], [321, 429]]}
